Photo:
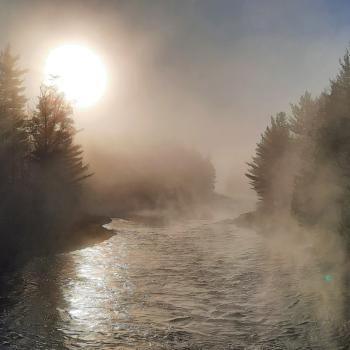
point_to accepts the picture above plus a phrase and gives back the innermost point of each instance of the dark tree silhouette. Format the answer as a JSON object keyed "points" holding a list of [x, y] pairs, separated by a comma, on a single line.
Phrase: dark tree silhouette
{"points": [[13, 154], [57, 167], [13, 138], [323, 192], [52, 132], [305, 123], [269, 172], [304, 115]]}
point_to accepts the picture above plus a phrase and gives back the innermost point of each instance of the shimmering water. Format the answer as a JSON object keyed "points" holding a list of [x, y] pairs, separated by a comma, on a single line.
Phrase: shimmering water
{"points": [[193, 285]]}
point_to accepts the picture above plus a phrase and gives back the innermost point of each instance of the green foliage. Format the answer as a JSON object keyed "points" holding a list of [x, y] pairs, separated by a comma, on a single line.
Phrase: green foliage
{"points": [[304, 123], [322, 194], [304, 113], [267, 171], [318, 135], [332, 150]]}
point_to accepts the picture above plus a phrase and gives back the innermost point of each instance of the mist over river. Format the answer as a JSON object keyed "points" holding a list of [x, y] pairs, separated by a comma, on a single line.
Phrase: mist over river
{"points": [[195, 284]]}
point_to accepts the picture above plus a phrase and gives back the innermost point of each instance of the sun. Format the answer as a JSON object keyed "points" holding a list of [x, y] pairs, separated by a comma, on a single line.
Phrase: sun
{"points": [[77, 72]]}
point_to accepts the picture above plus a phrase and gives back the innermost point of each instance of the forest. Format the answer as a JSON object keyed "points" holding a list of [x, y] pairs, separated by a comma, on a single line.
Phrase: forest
{"points": [[301, 167], [43, 176]]}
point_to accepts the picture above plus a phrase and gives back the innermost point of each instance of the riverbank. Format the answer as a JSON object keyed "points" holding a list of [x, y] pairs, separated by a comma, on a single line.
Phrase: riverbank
{"points": [[87, 231], [259, 221]]}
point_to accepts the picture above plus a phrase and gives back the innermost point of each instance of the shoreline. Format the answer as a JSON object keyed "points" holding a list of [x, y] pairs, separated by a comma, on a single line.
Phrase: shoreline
{"points": [[87, 232]]}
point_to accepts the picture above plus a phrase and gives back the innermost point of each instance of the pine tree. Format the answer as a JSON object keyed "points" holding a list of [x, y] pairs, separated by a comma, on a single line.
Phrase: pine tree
{"points": [[304, 124], [322, 194], [52, 132], [304, 114], [13, 138], [269, 172], [13, 152], [57, 162]]}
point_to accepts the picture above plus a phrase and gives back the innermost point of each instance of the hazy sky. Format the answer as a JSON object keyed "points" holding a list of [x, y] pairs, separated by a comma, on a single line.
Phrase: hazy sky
{"points": [[207, 73]]}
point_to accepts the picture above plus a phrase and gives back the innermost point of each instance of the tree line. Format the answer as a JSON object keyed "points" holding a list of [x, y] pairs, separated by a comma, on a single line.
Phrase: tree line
{"points": [[302, 162], [41, 165], [163, 178], [42, 171]]}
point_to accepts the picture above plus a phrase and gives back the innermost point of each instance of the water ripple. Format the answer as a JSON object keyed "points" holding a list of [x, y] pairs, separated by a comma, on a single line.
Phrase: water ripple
{"points": [[194, 285]]}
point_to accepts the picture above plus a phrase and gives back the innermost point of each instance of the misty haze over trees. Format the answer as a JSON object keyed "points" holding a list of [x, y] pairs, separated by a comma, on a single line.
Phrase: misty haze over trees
{"points": [[173, 180], [302, 162], [43, 192], [41, 167]]}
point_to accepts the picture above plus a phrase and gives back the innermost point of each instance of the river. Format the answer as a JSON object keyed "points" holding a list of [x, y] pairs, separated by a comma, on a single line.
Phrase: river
{"points": [[196, 284]]}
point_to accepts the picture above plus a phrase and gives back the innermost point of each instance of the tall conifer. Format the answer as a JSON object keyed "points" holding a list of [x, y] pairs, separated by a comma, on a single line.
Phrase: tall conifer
{"points": [[13, 138]]}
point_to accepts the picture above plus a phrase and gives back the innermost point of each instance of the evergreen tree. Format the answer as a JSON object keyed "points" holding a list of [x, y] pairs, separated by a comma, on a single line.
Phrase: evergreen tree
{"points": [[323, 191], [57, 162], [304, 123], [13, 138], [52, 132], [13, 152], [269, 172], [304, 114]]}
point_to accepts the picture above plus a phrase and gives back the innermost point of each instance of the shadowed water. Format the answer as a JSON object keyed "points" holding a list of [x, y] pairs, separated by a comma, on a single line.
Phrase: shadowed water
{"points": [[193, 285]]}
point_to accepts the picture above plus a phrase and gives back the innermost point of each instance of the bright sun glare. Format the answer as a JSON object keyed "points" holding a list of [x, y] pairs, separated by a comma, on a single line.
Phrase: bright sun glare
{"points": [[77, 72]]}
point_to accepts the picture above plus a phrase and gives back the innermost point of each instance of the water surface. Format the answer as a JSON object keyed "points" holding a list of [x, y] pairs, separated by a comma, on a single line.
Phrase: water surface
{"points": [[192, 285]]}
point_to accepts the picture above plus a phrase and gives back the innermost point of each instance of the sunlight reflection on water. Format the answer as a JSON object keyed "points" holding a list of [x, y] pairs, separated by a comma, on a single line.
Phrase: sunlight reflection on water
{"points": [[193, 285]]}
